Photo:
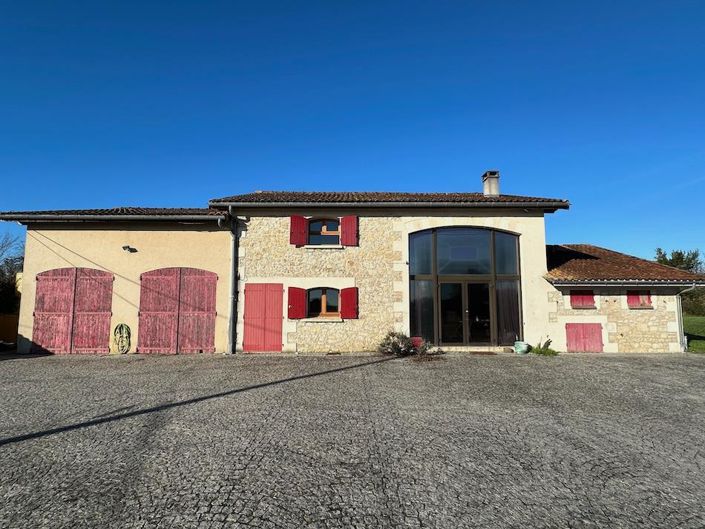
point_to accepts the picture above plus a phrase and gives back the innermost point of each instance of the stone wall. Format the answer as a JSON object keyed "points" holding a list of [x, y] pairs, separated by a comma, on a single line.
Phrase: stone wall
{"points": [[624, 330], [378, 268], [267, 257]]}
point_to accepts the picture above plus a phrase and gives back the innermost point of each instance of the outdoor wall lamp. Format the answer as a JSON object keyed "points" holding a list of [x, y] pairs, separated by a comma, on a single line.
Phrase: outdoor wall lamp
{"points": [[129, 248]]}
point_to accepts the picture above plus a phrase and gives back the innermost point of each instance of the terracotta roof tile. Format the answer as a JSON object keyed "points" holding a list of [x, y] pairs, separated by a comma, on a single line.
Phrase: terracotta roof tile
{"points": [[586, 263], [108, 213], [275, 198]]}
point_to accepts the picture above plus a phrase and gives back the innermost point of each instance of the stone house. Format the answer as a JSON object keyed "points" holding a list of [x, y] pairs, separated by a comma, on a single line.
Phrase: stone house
{"points": [[318, 272]]}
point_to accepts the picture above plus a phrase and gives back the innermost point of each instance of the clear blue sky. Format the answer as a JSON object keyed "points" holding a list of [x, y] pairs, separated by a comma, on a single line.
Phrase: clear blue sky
{"points": [[172, 103]]}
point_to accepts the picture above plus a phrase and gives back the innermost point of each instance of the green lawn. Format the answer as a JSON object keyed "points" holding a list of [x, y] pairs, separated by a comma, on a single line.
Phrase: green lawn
{"points": [[695, 329]]}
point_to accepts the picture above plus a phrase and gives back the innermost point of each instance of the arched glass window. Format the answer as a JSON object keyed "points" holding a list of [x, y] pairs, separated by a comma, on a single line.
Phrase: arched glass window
{"points": [[465, 286], [322, 303]]}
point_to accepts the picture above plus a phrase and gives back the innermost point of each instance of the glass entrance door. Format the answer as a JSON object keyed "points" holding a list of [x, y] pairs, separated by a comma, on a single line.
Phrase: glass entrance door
{"points": [[478, 313], [464, 313]]}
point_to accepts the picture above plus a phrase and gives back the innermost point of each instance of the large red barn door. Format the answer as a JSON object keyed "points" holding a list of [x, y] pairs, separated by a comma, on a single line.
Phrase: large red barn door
{"points": [[263, 317], [72, 311], [197, 311], [53, 311], [92, 311], [159, 311], [177, 311]]}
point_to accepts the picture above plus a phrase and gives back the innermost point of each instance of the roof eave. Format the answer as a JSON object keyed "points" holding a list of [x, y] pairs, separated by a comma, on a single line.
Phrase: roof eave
{"points": [[546, 206], [626, 282], [26, 219]]}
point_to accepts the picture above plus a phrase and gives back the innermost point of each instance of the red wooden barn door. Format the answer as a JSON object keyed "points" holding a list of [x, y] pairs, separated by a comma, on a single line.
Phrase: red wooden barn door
{"points": [[72, 311], [53, 311], [92, 311], [197, 313], [584, 337], [159, 310], [177, 311], [263, 317]]}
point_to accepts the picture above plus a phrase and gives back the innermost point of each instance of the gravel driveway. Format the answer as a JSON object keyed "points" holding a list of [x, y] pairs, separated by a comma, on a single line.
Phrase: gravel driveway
{"points": [[267, 441]]}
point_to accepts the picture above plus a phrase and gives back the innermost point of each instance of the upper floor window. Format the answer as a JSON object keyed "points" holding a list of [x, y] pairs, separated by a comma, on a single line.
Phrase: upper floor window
{"points": [[323, 231], [639, 299], [323, 302], [582, 299], [330, 232]]}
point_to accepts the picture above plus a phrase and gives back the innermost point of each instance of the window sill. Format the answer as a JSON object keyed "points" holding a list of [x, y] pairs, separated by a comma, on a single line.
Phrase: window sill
{"points": [[641, 308], [323, 246], [593, 307], [322, 320]]}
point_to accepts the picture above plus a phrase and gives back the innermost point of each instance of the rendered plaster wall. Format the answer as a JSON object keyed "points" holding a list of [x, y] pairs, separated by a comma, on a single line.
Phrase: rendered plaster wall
{"points": [[100, 248]]}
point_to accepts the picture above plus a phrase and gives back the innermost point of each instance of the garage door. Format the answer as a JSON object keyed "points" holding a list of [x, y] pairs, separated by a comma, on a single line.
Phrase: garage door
{"points": [[584, 337], [177, 311], [72, 311]]}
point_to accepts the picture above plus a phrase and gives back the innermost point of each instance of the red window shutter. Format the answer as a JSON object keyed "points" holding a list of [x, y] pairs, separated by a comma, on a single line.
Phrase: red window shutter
{"points": [[633, 299], [348, 231], [582, 299], [647, 298], [297, 303], [298, 230], [348, 303]]}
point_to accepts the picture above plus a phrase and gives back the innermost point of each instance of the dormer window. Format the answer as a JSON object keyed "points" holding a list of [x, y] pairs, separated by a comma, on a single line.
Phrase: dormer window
{"points": [[323, 231]]}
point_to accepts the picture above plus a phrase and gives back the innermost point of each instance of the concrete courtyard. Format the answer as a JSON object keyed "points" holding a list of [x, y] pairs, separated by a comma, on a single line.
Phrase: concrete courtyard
{"points": [[362, 441]]}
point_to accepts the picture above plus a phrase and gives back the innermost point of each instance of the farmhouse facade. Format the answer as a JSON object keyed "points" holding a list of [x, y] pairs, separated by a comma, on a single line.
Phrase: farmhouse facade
{"points": [[319, 272]]}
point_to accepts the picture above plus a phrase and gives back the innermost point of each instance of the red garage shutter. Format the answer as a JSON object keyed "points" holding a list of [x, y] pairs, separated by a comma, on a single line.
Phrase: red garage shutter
{"points": [[263, 317], [92, 311], [177, 311], [584, 337], [53, 311], [298, 230], [348, 303], [349, 231], [72, 311], [197, 313]]}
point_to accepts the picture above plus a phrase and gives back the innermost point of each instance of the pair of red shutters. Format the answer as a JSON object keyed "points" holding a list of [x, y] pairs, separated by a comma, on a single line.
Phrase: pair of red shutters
{"points": [[298, 230], [298, 301]]}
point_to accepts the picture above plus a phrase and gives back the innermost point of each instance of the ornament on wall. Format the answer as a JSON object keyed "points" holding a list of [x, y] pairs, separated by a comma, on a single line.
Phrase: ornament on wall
{"points": [[121, 336]]}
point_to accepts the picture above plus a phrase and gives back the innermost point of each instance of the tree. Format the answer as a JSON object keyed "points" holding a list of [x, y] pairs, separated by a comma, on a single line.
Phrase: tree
{"points": [[690, 260], [685, 260], [11, 261]]}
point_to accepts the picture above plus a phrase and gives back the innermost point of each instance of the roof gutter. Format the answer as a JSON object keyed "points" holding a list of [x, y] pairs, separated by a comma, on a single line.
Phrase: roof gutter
{"points": [[534, 205], [88, 218], [628, 283]]}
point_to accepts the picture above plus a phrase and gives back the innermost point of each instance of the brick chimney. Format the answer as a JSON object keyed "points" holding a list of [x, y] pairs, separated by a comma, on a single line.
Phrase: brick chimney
{"points": [[490, 183]]}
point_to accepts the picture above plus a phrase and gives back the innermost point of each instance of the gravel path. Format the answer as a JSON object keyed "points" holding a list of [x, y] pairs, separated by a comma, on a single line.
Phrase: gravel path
{"points": [[269, 442]]}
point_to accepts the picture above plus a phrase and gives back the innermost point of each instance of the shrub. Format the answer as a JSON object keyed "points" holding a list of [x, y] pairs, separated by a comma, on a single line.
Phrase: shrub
{"points": [[396, 343], [544, 349]]}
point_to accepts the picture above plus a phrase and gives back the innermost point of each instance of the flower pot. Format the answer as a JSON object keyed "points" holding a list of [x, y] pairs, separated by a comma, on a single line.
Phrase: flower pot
{"points": [[521, 348]]}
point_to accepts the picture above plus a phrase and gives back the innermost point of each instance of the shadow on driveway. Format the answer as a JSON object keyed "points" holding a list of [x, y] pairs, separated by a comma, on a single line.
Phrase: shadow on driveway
{"points": [[103, 420]]}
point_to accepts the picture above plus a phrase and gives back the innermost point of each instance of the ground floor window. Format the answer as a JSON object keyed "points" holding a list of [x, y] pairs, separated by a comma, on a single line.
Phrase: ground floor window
{"points": [[323, 302]]}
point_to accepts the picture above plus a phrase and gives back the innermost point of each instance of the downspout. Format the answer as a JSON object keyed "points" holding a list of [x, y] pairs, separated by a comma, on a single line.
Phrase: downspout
{"points": [[684, 341], [234, 279]]}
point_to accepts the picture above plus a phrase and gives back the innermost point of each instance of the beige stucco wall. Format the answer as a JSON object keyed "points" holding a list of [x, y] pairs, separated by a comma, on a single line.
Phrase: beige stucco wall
{"points": [[378, 267], [195, 246], [624, 330]]}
